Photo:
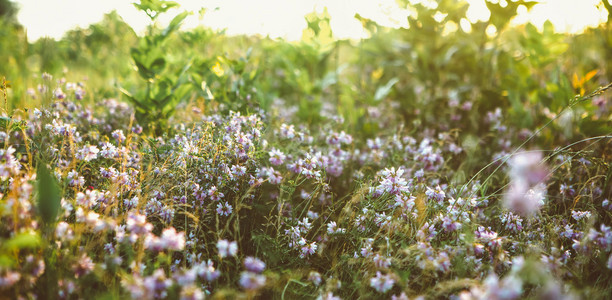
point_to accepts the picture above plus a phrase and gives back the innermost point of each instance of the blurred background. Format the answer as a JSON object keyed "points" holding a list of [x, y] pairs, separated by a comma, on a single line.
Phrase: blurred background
{"points": [[311, 60]]}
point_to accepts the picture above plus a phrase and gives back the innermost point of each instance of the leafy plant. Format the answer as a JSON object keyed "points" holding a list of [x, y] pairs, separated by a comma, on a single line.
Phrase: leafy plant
{"points": [[164, 87]]}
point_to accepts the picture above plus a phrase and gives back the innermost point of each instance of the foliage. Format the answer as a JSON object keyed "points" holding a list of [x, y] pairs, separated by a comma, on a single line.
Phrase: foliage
{"points": [[445, 160], [163, 89]]}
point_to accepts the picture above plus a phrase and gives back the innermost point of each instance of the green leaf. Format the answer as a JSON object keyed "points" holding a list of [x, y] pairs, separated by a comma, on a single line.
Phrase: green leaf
{"points": [[26, 240], [6, 261], [158, 65], [384, 90], [49, 194], [133, 99], [12, 124], [175, 23]]}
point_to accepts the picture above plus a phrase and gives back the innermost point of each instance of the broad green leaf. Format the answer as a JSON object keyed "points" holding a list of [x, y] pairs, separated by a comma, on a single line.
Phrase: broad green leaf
{"points": [[26, 240], [49, 194], [158, 65]]}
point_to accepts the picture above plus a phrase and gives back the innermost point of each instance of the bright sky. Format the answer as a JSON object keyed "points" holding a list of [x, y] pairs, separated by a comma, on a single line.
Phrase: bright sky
{"points": [[281, 18]]}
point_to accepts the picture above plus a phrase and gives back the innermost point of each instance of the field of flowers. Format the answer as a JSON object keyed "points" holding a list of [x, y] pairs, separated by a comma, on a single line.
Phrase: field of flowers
{"points": [[411, 165]]}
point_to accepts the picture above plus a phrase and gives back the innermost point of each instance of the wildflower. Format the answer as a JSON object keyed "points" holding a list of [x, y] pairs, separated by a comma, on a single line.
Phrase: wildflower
{"points": [[109, 151], [381, 262], [224, 209], [9, 279], [308, 248], [74, 179], [191, 292], [393, 182], [606, 204], [207, 271], [254, 265], [215, 194], [527, 189], [273, 176], [137, 224], [512, 222], [9, 165], [157, 283], [63, 231], [510, 287], [227, 248], [442, 262], [382, 283], [59, 94], [88, 153], [315, 277], [450, 225], [251, 281], [238, 171], [579, 215], [79, 93], [172, 240], [437, 194], [83, 267], [276, 157], [333, 228], [118, 136], [566, 190], [287, 131]]}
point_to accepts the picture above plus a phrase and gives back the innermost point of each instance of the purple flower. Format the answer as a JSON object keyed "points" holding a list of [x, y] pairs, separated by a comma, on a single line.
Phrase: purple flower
{"points": [[254, 265], [191, 292], [315, 277], [224, 209], [252, 281], [207, 271], [382, 283], [172, 240], [227, 248], [276, 157], [83, 267]]}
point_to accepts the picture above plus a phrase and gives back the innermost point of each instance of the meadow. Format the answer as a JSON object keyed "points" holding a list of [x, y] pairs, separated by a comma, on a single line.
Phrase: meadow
{"points": [[441, 161]]}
